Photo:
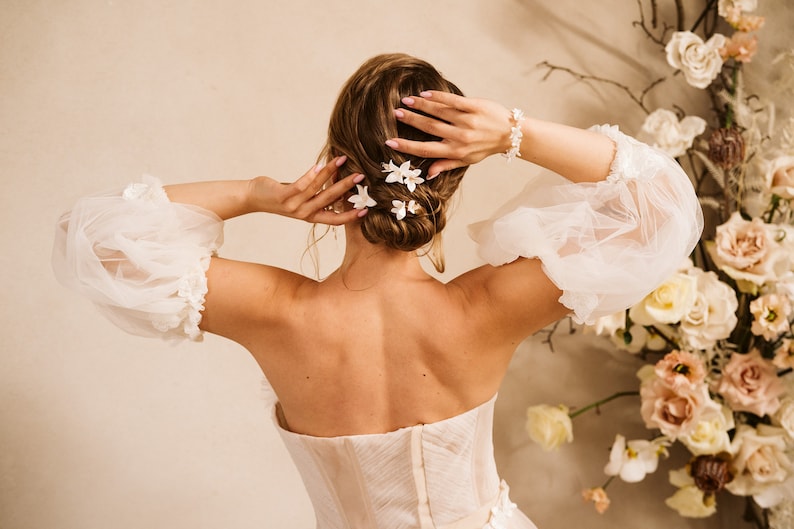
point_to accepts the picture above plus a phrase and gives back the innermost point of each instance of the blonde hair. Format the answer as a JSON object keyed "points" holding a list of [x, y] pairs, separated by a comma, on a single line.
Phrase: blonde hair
{"points": [[361, 122]]}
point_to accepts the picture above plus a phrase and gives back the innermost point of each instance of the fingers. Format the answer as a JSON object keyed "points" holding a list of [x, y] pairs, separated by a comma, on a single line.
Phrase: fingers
{"points": [[424, 149], [426, 124], [337, 219], [313, 180]]}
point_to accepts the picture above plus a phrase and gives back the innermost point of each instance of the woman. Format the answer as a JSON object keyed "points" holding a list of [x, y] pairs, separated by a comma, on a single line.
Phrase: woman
{"points": [[386, 378]]}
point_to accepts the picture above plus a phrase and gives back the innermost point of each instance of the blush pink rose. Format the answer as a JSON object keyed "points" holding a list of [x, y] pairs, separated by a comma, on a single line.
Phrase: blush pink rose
{"points": [[750, 383], [676, 411]]}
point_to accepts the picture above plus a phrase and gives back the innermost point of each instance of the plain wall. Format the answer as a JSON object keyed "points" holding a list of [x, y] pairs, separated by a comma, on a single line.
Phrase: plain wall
{"points": [[99, 429]]}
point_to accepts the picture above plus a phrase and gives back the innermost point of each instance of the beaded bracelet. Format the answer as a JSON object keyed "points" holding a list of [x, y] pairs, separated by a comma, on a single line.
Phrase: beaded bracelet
{"points": [[516, 135]]}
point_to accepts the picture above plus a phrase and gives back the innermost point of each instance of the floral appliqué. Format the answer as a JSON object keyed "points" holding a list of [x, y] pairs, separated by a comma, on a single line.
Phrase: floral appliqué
{"points": [[502, 510]]}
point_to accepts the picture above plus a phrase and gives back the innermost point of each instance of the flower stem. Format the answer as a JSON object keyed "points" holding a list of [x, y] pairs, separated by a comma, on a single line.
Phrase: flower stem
{"points": [[598, 403], [703, 14], [607, 482]]}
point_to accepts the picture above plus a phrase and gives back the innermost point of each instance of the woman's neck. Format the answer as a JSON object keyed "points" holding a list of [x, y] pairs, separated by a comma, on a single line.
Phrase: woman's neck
{"points": [[366, 265]]}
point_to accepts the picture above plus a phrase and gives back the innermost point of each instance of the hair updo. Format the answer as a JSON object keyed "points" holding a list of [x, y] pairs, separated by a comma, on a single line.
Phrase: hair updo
{"points": [[361, 122]]}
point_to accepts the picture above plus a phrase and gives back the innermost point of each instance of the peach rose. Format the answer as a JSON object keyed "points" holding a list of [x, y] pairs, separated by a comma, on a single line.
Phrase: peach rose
{"points": [[675, 411], [750, 383], [747, 251]]}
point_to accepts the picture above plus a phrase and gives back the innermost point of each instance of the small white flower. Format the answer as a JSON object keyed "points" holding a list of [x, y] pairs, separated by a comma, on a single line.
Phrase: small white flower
{"points": [[402, 174], [632, 460], [413, 207], [362, 200], [399, 209]]}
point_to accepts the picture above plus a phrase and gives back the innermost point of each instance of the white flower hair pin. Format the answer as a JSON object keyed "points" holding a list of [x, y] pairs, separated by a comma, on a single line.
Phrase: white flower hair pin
{"points": [[362, 200], [401, 209], [402, 174]]}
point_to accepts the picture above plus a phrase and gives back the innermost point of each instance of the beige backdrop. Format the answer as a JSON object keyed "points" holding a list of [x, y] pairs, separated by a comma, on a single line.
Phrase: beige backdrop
{"points": [[99, 429]]}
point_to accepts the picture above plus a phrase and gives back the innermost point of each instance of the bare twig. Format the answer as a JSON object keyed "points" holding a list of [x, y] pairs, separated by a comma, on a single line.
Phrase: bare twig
{"points": [[703, 14], [642, 24], [638, 98], [679, 11]]}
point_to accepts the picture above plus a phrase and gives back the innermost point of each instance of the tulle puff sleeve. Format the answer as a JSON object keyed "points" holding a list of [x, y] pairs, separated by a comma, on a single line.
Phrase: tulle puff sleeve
{"points": [[606, 244], [140, 258]]}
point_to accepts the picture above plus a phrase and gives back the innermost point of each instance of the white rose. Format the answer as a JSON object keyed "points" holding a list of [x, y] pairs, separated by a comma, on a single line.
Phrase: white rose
{"points": [[670, 135], [689, 501], [670, 302], [700, 61], [759, 459], [780, 176], [710, 436], [713, 314], [549, 426]]}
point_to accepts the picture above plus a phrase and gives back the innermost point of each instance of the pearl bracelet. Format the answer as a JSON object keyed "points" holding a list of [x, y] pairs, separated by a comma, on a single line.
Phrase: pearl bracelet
{"points": [[516, 135]]}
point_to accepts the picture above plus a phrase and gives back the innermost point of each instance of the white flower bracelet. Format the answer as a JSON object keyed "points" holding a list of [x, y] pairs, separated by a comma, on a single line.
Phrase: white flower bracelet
{"points": [[516, 135]]}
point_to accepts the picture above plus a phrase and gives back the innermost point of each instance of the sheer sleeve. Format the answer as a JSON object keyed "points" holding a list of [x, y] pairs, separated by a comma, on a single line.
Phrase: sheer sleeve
{"points": [[141, 259], [606, 244]]}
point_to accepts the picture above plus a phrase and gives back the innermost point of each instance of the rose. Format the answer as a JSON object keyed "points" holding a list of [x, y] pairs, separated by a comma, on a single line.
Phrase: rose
{"points": [[780, 176], [700, 61], [632, 460], [670, 135], [759, 459], [750, 383], [747, 251], [713, 315], [689, 501], [710, 436], [675, 411], [670, 302], [770, 315], [549, 426]]}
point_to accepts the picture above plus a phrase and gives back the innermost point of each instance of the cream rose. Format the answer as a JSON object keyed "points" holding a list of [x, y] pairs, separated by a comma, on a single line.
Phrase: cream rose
{"points": [[747, 251], [784, 416], [713, 315], [549, 426], [750, 383], [670, 302], [780, 176], [700, 61], [710, 436], [759, 459], [671, 135], [675, 411]]}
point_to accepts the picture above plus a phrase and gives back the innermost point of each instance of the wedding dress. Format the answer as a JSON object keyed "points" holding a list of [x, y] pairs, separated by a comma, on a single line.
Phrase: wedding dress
{"points": [[142, 260]]}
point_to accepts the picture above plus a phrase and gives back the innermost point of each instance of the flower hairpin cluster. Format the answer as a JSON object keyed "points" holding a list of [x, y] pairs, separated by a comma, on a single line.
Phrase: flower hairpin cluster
{"points": [[399, 174]]}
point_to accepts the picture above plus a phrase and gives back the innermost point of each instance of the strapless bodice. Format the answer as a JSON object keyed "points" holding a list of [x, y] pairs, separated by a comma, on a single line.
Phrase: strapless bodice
{"points": [[439, 475]]}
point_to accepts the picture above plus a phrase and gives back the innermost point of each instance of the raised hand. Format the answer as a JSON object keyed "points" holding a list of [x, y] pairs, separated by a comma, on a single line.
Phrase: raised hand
{"points": [[306, 198], [470, 129]]}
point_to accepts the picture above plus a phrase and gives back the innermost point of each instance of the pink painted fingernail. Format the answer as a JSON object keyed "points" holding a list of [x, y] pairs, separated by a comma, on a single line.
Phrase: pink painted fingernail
{"points": [[358, 178], [339, 161], [433, 176], [362, 212], [399, 113], [408, 101], [391, 143], [318, 168], [425, 93]]}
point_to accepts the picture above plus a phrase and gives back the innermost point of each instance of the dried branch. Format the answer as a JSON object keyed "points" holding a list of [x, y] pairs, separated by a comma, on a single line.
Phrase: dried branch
{"points": [[679, 10], [703, 14], [638, 98], [642, 24]]}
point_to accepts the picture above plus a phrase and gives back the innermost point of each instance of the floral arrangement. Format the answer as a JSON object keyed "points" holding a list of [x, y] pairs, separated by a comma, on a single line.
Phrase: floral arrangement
{"points": [[716, 337]]}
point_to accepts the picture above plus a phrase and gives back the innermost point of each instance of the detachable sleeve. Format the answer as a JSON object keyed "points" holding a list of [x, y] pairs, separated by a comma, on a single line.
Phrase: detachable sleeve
{"points": [[607, 244], [141, 259]]}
